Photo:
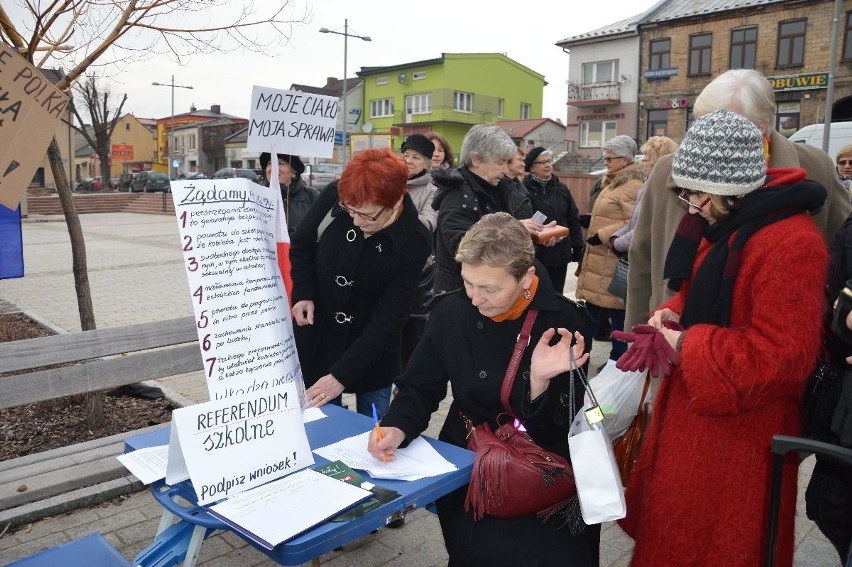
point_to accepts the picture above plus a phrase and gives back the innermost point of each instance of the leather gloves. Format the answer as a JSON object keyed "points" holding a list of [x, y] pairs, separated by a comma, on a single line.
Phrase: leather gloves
{"points": [[841, 421], [594, 239], [649, 350]]}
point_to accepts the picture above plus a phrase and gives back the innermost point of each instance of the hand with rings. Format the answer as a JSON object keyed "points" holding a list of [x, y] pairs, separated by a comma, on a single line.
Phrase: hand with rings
{"points": [[324, 390]]}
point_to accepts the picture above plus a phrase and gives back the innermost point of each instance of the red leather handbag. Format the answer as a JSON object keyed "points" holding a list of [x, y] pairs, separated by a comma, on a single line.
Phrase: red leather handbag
{"points": [[512, 476]]}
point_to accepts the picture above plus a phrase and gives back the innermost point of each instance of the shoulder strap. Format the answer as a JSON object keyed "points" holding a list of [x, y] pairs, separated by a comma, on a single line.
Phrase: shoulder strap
{"points": [[520, 345]]}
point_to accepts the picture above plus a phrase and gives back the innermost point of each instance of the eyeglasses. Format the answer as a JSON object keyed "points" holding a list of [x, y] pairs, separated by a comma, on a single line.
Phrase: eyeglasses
{"points": [[365, 216], [609, 159], [543, 162], [684, 196], [844, 162]]}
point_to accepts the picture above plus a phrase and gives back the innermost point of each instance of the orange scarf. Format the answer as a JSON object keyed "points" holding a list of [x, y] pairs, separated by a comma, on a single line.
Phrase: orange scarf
{"points": [[516, 310]]}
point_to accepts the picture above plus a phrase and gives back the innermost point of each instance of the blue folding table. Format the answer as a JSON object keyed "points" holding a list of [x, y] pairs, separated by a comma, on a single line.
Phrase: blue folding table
{"points": [[196, 523]]}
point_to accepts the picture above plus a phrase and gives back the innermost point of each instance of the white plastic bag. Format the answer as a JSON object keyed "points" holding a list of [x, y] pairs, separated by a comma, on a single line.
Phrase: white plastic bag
{"points": [[596, 473], [617, 392]]}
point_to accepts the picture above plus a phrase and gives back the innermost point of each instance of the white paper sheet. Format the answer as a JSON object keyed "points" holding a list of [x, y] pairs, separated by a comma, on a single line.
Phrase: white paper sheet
{"points": [[312, 414], [418, 460], [147, 464], [275, 512]]}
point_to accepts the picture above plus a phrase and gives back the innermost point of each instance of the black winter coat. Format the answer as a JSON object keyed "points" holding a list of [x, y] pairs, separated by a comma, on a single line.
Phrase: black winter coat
{"points": [[555, 200], [463, 198], [362, 291], [297, 199]]}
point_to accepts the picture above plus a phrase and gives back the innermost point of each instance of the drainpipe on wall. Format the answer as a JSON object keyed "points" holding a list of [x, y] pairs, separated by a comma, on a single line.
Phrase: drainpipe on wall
{"points": [[829, 94]]}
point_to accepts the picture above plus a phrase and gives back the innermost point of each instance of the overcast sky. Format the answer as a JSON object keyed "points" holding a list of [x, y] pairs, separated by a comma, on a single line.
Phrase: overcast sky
{"points": [[401, 33]]}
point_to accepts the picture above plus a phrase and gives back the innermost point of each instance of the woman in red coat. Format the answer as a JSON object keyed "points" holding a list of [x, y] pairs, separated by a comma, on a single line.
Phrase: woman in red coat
{"points": [[749, 265]]}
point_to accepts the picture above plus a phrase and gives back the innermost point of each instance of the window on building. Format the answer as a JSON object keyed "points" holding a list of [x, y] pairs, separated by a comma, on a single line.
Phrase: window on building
{"points": [[661, 50], [127, 125], [743, 48], [418, 76], [600, 72], [658, 123], [791, 43], [788, 118], [501, 104], [382, 81], [418, 104], [381, 107], [594, 133], [463, 102], [700, 47], [192, 141], [847, 38], [525, 111]]}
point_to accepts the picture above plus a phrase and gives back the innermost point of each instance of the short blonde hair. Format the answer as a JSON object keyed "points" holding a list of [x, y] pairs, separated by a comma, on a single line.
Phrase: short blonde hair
{"points": [[498, 240], [656, 147], [844, 151]]}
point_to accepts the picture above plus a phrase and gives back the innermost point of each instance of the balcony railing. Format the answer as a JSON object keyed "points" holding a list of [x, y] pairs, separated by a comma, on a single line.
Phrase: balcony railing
{"points": [[594, 93], [443, 114]]}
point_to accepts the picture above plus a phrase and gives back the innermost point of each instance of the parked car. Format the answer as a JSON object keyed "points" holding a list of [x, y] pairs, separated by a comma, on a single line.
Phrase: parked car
{"points": [[319, 175], [86, 184], [124, 181], [148, 181], [113, 183], [255, 175], [196, 175]]}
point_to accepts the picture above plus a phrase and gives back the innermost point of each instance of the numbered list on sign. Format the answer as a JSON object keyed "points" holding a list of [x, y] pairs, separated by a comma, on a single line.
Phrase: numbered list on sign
{"points": [[227, 234]]}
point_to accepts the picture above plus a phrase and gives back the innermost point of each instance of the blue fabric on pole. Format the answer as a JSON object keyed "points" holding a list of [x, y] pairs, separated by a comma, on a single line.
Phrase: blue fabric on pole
{"points": [[11, 244]]}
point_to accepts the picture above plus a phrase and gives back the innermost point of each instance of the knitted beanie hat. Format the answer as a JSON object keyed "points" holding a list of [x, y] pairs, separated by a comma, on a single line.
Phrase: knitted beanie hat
{"points": [[531, 156], [420, 144], [721, 154]]}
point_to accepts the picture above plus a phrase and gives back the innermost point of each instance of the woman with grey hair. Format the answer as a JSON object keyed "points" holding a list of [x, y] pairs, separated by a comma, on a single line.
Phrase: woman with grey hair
{"points": [[478, 187], [611, 211]]}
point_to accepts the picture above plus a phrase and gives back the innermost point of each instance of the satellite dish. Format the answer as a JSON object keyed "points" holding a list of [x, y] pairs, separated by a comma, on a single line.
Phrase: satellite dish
{"points": [[367, 127]]}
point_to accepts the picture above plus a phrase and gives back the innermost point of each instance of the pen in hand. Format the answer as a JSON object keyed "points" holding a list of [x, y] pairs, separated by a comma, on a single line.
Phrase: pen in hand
{"points": [[378, 431]]}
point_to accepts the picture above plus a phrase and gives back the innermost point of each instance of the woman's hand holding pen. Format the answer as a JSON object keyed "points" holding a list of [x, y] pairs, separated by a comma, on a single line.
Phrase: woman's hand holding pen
{"points": [[383, 449]]}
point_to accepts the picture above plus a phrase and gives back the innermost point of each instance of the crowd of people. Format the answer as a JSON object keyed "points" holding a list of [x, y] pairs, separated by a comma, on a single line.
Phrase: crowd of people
{"points": [[413, 272]]}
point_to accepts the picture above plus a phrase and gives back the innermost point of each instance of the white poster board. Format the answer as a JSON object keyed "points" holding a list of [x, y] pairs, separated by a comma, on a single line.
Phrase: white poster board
{"points": [[229, 446], [292, 122], [228, 233]]}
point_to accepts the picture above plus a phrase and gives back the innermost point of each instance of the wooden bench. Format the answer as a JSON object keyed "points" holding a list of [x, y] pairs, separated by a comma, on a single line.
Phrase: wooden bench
{"points": [[77, 475]]}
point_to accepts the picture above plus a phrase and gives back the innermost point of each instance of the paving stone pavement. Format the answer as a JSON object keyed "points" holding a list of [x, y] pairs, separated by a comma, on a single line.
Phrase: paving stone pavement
{"points": [[136, 275]]}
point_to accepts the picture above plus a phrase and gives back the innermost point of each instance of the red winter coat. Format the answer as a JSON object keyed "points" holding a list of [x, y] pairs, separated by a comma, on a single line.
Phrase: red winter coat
{"points": [[699, 492]]}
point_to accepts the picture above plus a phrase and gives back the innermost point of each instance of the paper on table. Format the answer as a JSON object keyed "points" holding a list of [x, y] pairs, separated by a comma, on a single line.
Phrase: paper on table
{"points": [[275, 512], [312, 414], [147, 464], [418, 460]]}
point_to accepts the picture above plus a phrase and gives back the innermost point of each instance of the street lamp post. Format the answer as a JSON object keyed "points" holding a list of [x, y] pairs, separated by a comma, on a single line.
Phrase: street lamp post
{"points": [[346, 35], [172, 123]]}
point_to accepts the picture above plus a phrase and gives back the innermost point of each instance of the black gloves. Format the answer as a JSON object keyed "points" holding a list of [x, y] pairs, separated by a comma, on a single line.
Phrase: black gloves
{"points": [[841, 422], [585, 220], [594, 239], [577, 253]]}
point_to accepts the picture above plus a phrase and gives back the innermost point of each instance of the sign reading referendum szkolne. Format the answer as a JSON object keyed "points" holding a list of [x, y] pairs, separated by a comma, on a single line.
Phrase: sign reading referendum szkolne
{"points": [[801, 82], [292, 122], [30, 108], [228, 236], [229, 446]]}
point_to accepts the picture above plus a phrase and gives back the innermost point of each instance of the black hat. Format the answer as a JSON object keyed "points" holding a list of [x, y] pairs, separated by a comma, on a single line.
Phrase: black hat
{"points": [[420, 144], [531, 156], [294, 161]]}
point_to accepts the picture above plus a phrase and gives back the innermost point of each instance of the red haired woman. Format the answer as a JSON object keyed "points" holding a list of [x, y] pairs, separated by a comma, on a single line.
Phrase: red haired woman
{"points": [[353, 286]]}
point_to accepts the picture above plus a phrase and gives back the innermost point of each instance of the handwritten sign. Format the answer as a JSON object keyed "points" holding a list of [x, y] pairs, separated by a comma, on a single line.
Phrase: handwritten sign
{"points": [[30, 108], [228, 236], [229, 446], [292, 122]]}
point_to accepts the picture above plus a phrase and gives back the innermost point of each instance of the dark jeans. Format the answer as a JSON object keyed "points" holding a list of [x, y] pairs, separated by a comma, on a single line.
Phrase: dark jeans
{"points": [[557, 277], [616, 318]]}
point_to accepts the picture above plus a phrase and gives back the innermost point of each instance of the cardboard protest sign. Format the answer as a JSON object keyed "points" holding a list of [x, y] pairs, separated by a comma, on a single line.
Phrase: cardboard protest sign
{"points": [[292, 122], [30, 108], [228, 231], [229, 446]]}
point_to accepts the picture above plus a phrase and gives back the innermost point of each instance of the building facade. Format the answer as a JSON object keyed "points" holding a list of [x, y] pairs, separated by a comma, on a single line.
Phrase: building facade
{"points": [[684, 44], [447, 95], [133, 146]]}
